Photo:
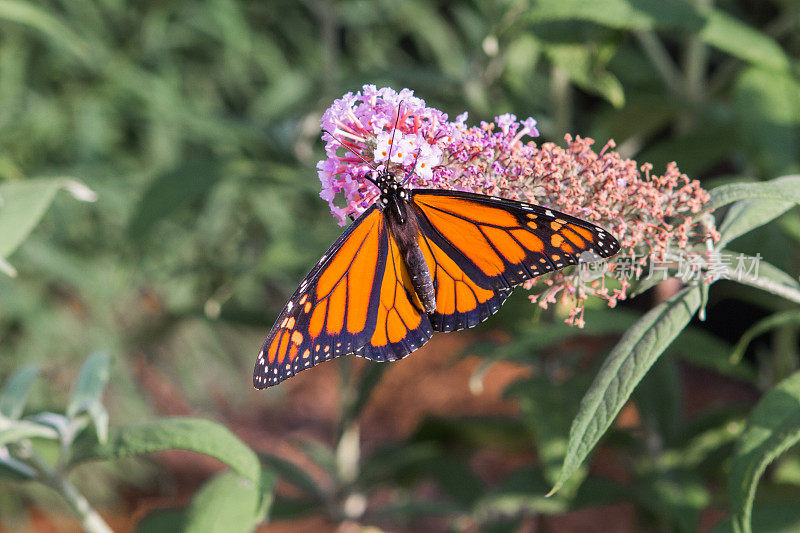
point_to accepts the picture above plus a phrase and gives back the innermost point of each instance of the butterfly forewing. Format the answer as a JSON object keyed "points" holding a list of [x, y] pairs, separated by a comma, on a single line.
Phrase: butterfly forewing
{"points": [[508, 241], [334, 311]]}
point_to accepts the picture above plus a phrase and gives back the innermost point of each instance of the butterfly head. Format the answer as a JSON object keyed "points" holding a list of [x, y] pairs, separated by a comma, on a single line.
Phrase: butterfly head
{"points": [[392, 194], [390, 188]]}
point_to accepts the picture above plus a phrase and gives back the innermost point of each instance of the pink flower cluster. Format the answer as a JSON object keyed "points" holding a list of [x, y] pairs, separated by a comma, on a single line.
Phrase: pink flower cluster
{"points": [[649, 214]]}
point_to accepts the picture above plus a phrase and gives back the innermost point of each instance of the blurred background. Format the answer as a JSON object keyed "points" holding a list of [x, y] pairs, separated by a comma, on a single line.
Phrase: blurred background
{"points": [[197, 125]]}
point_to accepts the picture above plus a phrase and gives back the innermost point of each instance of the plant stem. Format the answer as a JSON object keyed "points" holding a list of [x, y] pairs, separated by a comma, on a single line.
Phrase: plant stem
{"points": [[90, 519], [658, 54], [695, 64], [561, 96], [348, 447]]}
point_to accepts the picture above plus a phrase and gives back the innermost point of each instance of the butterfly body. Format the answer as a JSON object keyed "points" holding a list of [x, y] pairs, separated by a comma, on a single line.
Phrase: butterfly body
{"points": [[403, 226], [415, 262]]}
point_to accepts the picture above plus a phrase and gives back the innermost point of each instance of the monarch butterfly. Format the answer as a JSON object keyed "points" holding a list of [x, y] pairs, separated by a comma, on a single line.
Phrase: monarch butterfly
{"points": [[416, 261]]}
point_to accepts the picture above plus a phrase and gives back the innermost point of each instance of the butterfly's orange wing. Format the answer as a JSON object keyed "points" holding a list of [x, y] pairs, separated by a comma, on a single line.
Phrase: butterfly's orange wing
{"points": [[479, 247], [401, 326], [331, 312], [357, 299]]}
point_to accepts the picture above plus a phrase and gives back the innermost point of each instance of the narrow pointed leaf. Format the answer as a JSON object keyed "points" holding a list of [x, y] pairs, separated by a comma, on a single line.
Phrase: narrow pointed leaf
{"points": [[15, 393], [761, 327], [226, 503], [41, 20], [294, 475], [622, 370], [747, 215], [773, 428], [23, 204], [14, 470], [733, 36], [23, 429], [172, 190], [88, 394], [193, 434], [785, 188]]}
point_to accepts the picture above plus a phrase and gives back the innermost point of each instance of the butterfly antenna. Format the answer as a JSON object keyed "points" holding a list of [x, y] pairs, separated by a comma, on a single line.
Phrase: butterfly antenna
{"points": [[394, 132], [413, 170], [361, 157]]}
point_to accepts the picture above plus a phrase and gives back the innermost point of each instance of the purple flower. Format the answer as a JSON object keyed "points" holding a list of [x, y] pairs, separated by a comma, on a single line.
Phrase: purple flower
{"points": [[529, 127], [506, 121], [648, 214]]}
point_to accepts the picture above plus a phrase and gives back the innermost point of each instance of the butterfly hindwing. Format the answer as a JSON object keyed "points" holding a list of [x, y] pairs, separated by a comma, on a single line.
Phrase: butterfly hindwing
{"points": [[334, 310], [508, 241], [358, 299], [464, 295], [401, 326]]}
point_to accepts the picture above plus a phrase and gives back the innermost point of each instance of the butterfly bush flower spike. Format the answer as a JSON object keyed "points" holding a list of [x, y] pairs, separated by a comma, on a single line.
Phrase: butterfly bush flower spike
{"points": [[651, 215]]}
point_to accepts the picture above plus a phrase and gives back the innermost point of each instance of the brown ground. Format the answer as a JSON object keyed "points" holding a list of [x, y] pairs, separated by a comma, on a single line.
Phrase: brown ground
{"points": [[433, 381]]}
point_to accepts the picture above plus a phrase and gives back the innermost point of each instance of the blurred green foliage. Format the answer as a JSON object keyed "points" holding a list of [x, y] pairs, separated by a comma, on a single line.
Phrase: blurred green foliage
{"points": [[196, 125]]}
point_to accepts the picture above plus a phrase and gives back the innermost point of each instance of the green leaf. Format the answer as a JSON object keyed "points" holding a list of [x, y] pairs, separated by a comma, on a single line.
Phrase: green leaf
{"points": [[193, 434], [748, 215], [266, 490], [762, 203], [587, 71], [537, 336], [172, 190], [23, 204], [59, 423], [321, 454], [766, 270], [702, 443], [41, 20], [15, 470], [773, 427], [23, 429], [423, 20], [394, 461], [761, 327], [743, 41], [620, 14], [294, 475], [163, 520], [767, 104], [287, 508], [756, 272], [769, 518], [697, 149], [15, 393], [226, 503], [786, 188], [410, 510], [622, 370], [522, 492], [88, 393], [713, 26]]}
